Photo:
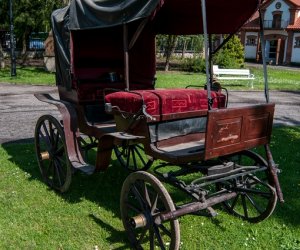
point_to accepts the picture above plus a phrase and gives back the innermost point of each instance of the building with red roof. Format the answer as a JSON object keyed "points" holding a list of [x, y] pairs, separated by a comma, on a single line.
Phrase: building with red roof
{"points": [[281, 21]]}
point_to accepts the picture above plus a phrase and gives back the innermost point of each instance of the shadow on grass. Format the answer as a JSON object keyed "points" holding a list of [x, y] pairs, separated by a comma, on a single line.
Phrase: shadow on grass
{"points": [[100, 188], [104, 188], [115, 235], [33, 70]]}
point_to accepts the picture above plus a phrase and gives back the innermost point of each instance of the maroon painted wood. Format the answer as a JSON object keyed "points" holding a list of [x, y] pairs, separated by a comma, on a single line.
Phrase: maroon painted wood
{"points": [[236, 129]]}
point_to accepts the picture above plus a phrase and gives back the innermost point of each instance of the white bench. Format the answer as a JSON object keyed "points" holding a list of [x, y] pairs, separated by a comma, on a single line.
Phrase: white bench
{"points": [[233, 74]]}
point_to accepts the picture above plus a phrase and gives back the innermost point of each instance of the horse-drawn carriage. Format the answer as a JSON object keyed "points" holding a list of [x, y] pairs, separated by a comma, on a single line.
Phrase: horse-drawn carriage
{"points": [[105, 73]]}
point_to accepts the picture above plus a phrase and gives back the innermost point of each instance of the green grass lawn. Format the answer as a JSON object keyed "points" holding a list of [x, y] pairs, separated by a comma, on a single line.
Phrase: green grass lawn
{"points": [[28, 75], [34, 217], [278, 79]]}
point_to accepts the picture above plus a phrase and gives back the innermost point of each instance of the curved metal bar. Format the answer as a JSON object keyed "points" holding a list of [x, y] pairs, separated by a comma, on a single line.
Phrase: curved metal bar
{"points": [[273, 171], [69, 118]]}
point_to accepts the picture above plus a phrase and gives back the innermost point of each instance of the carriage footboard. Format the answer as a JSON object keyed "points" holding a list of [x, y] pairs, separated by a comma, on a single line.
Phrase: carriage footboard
{"points": [[235, 129]]}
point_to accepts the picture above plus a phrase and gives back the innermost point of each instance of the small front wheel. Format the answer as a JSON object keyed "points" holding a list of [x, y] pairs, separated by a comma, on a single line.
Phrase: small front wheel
{"points": [[52, 154], [132, 156], [144, 198]]}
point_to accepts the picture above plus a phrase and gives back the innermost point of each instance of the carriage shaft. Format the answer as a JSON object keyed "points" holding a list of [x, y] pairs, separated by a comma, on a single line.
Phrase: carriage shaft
{"points": [[194, 207], [273, 171]]}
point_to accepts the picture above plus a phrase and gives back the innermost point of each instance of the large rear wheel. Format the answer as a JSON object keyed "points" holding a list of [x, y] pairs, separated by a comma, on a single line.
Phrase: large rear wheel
{"points": [[256, 197], [52, 154]]}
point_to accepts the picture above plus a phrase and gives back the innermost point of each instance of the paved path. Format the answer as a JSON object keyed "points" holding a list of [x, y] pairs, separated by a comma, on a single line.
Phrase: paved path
{"points": [[19, 109]]}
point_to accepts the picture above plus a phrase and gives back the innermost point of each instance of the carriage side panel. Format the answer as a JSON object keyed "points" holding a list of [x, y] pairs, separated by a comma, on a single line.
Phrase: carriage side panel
{"points": [[235, 129]]}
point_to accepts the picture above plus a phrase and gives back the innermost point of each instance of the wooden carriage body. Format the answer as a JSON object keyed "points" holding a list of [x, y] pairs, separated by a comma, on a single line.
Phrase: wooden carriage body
{"points": [[105, 73]]}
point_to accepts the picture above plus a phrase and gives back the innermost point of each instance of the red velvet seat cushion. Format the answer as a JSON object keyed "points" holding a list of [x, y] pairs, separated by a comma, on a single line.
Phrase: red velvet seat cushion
{"points": [[164, 101]]}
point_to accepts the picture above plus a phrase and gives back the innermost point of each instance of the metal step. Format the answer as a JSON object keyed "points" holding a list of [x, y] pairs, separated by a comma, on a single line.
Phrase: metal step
{"points": [[86, 168]]}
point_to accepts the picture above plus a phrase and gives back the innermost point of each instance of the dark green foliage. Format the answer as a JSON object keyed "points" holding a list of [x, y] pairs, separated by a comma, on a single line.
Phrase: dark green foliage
{"points": [[195, 64], [231, 55], [29, 16]]}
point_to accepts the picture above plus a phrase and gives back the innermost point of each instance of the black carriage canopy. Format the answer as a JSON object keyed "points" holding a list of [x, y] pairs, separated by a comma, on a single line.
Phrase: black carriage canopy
{"points": [[89, 33]]}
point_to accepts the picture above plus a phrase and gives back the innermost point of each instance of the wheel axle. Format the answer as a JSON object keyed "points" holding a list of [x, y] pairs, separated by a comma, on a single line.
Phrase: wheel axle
{"points": [[138, 221], [45, 155]]}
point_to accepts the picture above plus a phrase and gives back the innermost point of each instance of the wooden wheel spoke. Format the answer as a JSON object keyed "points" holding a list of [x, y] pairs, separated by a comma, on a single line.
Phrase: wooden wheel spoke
{"points": [[258, 181], [139, 197], [56, 139], [158, 236], [263, 194], [142, 235], [128, 157], [132, 207], [46, 140], [151, 239], [61, 170], [140, 156], [244, 204], [139, 147], [134, 159], [165, 230], [154, 205], [61, 161], [46, 130], [234, 202], [146, 194], [254, 204], [59, 150], [51, 130], [50, 174], [49, 168], [58, 172], [125, 151]]}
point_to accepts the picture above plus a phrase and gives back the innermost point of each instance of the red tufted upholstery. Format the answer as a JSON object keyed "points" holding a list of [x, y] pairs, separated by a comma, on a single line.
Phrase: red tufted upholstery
{"points": [[164, 101]]}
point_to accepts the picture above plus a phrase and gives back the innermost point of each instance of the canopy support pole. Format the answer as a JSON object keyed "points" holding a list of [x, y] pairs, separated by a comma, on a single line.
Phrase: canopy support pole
{"points": [[126, 55], [137, 33], [263, 55], [210, 60], [206, 54]]}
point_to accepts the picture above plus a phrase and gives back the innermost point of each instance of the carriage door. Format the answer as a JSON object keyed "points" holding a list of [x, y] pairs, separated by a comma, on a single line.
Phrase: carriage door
{"points": [[272, 51], [275, 51]]}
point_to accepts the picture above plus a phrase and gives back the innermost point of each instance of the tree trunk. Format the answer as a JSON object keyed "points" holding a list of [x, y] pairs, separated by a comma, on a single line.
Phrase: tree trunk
{"points": [[170, 48], [2, 63], [24, 48], [184, 48]]}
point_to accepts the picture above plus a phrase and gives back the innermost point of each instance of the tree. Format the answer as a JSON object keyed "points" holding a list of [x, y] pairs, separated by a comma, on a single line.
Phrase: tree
{"points": [[29, 16], [169, 49], [231, 55]]}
